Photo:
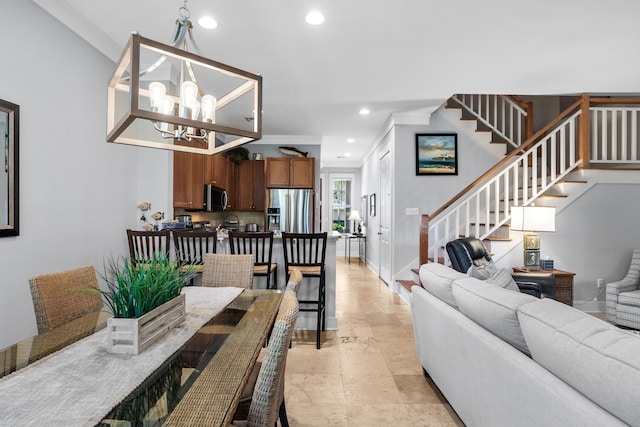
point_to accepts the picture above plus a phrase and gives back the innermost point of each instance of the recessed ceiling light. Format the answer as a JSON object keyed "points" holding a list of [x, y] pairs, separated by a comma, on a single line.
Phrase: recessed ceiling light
{"points": [[314, 18], [208, 22], [347, 154], [351, 140], [364, 111]]}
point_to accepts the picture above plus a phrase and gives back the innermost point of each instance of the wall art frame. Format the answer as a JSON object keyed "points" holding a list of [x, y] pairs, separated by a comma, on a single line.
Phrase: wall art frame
{"points": [[436, 154]]}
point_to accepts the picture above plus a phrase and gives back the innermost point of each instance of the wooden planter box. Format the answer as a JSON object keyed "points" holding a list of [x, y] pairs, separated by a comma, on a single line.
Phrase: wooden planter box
{"points": [[132, 336]]}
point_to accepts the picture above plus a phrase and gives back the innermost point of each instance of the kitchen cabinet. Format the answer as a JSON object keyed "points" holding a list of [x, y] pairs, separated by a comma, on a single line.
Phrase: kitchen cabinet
{"points": [[188, 180], [250, 189], [220, 171], [290, 172]]}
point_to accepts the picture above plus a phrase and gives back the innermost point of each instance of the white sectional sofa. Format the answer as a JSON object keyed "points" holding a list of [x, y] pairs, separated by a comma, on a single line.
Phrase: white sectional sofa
{"points": [[502, 358]]}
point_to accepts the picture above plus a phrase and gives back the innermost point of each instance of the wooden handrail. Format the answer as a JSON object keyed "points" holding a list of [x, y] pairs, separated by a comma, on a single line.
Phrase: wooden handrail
{"points": [[530, 142]]}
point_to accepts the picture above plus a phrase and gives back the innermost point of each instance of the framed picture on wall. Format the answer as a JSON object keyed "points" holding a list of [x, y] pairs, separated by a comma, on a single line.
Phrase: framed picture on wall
{"points": [[364, 208], [372, 205], [436, 154]]}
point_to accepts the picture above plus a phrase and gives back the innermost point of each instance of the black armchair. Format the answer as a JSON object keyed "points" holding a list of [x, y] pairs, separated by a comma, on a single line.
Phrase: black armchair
{"points": [[469, 251]]}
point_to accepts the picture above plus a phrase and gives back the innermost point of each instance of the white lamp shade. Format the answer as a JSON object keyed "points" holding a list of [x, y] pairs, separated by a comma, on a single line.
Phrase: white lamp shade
{"points": [[533, 218], [355, 216]]}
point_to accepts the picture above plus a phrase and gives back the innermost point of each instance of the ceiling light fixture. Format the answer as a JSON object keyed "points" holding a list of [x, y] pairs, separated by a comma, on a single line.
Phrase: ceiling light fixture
{"points": [[208, 22], [351, 140], [364, 111], [181, 100], [347, 154], [314, 18]]}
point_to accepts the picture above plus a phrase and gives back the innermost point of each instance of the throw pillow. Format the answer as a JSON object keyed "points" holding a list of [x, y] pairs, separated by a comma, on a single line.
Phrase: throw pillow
{"points": [[503, 279], [482, 272]]}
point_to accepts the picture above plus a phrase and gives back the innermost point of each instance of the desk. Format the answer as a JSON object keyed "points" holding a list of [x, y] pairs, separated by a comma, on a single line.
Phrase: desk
{"points": [[563, 283], [347, 245], [213, 365]]}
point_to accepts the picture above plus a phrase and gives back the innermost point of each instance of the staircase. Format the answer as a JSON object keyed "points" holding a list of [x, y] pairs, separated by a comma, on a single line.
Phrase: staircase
{"points": [[546, 168]]}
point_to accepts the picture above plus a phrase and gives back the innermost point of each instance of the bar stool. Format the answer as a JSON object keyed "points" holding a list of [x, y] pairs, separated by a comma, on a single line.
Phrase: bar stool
{"points": [[191, 247], [145, 245], [260, 245], [306, 252]]}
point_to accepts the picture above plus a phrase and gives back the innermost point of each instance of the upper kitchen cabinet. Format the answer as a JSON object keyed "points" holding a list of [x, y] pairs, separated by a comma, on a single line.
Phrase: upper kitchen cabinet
{"points": [[188, 180], [290, 172], [219, 170], [250, 190]]}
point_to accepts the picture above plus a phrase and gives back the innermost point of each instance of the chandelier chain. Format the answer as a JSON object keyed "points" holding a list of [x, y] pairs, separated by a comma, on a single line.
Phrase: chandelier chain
{"points": [[184, 11]]}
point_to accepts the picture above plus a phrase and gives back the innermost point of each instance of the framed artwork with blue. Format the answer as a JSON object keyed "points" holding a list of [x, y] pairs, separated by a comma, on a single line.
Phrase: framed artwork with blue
{"points": [[436, 154]]}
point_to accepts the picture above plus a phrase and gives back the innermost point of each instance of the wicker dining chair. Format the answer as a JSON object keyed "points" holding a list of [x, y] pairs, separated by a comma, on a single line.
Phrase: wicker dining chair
{"points": [[228, 270], [60, 297], [260, 245], [267, 400]]}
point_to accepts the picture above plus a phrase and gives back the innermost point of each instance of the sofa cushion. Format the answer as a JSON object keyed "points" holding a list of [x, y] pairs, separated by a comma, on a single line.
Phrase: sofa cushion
{"points": [[492, 307], [629, 298], [437, 279], [597, 359]]}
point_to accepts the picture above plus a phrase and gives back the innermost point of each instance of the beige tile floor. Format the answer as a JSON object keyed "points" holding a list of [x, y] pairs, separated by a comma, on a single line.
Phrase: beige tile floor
{"points": [[367, 373]]}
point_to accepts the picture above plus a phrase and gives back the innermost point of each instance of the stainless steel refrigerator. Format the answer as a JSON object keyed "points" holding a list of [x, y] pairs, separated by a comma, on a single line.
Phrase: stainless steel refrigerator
{"points": [[290, 210]]}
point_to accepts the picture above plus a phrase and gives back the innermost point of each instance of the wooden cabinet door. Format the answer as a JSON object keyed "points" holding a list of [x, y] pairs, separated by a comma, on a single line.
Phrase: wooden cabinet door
{"points": [[250, 185], [188, 180], [231, 184], [277, 172], [258, 185], [302, 172], [215, 170]]}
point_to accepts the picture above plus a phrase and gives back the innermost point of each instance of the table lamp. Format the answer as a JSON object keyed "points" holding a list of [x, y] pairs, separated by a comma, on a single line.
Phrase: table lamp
{"points": [[532, 219], [355, 216]]}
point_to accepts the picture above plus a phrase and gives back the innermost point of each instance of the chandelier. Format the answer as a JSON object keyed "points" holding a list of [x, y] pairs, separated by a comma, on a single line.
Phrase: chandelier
{"points": [[165, 96]]}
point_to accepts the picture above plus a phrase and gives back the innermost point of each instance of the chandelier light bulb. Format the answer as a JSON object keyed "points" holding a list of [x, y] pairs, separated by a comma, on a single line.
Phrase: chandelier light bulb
{"points": [[157, 92], [314, 18], [188, 95], [208, 107]]}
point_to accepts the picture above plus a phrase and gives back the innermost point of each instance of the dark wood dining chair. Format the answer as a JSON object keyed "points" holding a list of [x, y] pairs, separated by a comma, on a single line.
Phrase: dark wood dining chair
{"points": [[260, 245], [145, 245], [306, 252]]}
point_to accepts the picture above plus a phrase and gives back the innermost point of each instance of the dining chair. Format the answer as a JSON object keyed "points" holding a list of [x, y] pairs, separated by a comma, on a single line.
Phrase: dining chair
{"points": [[307, 252], [145, 245], [60, 297], [266, 389], [228, 270], [260, 245], [192, 246]]}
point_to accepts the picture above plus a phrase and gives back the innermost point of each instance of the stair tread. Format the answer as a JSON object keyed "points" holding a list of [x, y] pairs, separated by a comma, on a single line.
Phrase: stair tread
{"points": [[571, 181], [415, 270], [407, 284], [499, 239]]}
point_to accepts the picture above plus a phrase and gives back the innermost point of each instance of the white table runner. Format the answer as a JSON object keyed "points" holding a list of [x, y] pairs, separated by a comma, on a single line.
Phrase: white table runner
{"points": [[80, 384]]}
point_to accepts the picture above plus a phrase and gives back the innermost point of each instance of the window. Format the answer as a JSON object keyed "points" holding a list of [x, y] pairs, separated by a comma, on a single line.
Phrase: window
{"points": [[341, 205]]}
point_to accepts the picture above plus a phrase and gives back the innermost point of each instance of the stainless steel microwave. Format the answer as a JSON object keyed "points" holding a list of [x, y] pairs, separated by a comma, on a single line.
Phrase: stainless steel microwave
{"points": [[215, 198]]}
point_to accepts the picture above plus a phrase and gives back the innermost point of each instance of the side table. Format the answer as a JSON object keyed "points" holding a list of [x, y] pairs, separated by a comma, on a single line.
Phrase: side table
{"points": [[563, 283], [347, 249]]}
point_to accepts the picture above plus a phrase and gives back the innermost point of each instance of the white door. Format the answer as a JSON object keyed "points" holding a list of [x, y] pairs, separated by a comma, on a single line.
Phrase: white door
{"points": [[385, 217]]}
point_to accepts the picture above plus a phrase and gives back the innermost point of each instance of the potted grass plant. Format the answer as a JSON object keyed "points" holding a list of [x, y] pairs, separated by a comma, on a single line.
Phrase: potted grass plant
{"points": [[145, 301]]}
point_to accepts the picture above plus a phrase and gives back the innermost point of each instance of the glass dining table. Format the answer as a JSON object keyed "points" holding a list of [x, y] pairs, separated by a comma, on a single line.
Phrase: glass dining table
{"points": [[200, 384]]}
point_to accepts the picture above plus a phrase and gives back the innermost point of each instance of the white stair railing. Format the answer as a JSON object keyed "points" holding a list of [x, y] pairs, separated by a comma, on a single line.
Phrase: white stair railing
{"points": [[499, 113], [517, 183], [614, 135]]}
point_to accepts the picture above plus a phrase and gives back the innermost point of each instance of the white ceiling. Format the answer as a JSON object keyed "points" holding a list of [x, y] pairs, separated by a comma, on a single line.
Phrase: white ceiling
{"points": [[393, 57]]}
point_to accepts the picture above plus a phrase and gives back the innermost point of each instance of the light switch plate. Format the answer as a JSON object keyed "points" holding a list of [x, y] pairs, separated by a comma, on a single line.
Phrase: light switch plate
{"points": [[411, 211]]}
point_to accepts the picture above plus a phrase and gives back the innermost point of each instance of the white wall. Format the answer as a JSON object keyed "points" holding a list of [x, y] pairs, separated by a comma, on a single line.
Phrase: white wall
{"points": [[425, 192], [78, 194]]}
